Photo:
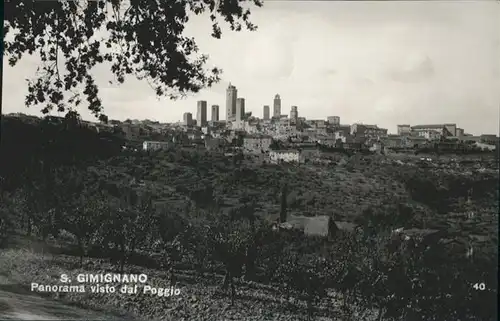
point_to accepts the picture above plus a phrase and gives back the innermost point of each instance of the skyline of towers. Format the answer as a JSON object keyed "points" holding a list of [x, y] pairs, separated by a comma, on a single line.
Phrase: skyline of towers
{"points": [[277, 106], [215, 113], [201, 114], [187, 119], [236, 110], [231, 96], [294, 114], [266, 112], [240, 109]]}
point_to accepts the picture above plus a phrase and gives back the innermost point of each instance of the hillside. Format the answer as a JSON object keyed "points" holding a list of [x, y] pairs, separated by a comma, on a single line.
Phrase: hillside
{"points": [[194, 217]]}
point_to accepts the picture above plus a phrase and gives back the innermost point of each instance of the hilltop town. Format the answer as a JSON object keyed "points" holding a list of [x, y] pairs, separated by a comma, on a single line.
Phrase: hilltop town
{"points": [[279, 137]]}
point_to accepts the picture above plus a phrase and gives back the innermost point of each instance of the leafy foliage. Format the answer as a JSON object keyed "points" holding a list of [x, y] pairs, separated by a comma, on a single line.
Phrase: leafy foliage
{"points": [[7, 217], [132, 37], [128, 226]]}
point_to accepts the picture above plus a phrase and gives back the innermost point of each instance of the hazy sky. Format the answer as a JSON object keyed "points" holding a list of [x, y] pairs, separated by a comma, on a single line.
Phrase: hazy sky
{"points": [[374, 62]]}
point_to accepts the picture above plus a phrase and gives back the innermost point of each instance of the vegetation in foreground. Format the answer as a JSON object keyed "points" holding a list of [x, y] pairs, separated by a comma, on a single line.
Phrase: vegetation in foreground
{"points": [[192, 218]]}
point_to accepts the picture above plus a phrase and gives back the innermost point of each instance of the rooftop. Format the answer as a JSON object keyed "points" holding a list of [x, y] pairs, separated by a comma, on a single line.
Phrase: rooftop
{"points": [[313, 226], [345, 226], [257, 136], [433, 126], [416, 138], [283, 151], [154, 142]]}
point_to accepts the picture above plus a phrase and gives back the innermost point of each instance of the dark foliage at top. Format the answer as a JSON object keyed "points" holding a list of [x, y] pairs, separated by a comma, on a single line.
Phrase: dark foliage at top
{"points": [[51, 143], [143, 38]]}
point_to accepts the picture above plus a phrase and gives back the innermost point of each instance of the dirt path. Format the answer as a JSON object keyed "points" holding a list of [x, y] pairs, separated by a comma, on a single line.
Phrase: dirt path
{"points": [[17, 303]]}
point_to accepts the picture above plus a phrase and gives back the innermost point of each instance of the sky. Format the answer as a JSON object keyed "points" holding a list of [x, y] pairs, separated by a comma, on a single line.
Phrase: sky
{"points": [[383, 63]]}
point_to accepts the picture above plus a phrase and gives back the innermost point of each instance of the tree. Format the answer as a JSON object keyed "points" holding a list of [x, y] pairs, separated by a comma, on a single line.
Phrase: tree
{"points": [[129, 223], [42, 200], [230, 241], [344, 271], [283, 203], [83, 219], [72, 120], [133, 37], [303, 275], [9, 210], [172, 230], [247, 212]]}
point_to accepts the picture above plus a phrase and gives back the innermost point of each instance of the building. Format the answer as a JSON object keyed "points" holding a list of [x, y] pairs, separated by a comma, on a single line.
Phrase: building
{"points": [[310, 226], [294, 115], [194, 136], [419, 236], [318, 124], [435, 131], [394, 141], [377, 147], [215, 113], [187, 119], [333, 120], [328, 141], [266, 112], [231, 95], [284, 156], [404, 130], [298, 156], [471, 139], [354, 142], [309, 154], [215, 144], [451, 128], [201, 114], [345, 129], [277, 106], [240, 109], [131, 131], [489, 139], [154, 145], [371, 131], [459, 132], [317, 226], [257, 143], [340, 135], [414, 141]]}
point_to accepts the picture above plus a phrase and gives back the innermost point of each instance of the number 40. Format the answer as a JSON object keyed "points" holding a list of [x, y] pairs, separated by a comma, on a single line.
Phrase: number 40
{"points": [[479, 286]]}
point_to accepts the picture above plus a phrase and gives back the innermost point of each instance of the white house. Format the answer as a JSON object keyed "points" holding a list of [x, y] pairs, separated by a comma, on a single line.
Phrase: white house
{"points": [[341, 135], [286, 156], [153, 145]]}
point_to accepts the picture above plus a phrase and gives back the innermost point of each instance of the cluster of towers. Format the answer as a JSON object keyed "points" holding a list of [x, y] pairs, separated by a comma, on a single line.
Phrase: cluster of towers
{"points": [[276, 108], [294, 113], [235, 109], [201, 114]]}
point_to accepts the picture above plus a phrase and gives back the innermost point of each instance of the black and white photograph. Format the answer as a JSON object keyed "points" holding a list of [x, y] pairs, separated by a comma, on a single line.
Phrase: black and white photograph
{"points": [[254, 160]]}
